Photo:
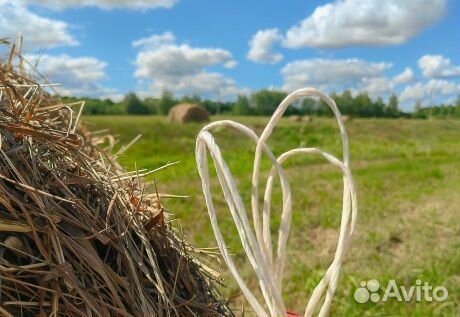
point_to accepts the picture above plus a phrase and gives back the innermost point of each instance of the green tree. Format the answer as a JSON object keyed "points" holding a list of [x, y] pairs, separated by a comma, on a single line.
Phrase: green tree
{"points": [[392, 108], [166, 102], [363, 105], [241, 106], [134, 105], [309, 106], [195, 99], [152, 104], [266, 101], [344, 102], [418, 105], [378, 108]]}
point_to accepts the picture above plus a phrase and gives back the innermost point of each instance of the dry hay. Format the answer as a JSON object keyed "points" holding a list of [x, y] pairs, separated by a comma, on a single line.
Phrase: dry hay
{"points": [[347, 118], [187, 112], [78, 235], [295, 118]]}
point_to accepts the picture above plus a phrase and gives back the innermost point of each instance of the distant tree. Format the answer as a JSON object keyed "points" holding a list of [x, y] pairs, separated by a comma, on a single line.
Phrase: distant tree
{"points": [[266, 101], [95, 106], [210, 106], [308, 106], [152, 104], [241, 106], [134, 105], [322, 109], [226, 107], [345, 102], [191, 99], [166, 102], [378, 108], [419, 111], [363, 105], [392, 108], [457, 101], [418, 105]]}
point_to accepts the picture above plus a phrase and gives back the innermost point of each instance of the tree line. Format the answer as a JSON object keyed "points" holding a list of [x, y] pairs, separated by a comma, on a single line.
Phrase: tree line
{"points": [[264, 103], [437, 111]]}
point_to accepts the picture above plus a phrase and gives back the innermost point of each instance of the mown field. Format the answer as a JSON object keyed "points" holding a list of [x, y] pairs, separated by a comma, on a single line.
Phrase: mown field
{"points": [[408, 179]]}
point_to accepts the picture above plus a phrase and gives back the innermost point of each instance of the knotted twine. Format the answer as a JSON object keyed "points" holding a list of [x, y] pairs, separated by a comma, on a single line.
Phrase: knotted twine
{"points": [[257, 242]]}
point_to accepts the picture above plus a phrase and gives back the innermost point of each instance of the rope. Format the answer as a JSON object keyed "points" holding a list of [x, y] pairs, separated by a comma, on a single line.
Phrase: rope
{"points": [[257, 241]]}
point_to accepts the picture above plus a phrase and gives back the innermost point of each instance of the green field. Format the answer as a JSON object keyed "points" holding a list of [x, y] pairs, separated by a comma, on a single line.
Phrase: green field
{"points": [[408, 179]]}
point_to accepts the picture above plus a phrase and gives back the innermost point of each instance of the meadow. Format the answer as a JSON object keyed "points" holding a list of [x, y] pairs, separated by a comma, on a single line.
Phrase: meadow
{"points": [[407, 174]]}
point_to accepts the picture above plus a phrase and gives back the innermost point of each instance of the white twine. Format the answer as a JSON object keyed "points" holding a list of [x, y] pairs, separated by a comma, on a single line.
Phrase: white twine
{"points": [[257, 242]]}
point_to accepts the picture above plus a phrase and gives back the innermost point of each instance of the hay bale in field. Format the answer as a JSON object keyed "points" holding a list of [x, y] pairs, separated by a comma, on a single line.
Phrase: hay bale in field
{"points": [[295, 118], [78, 234], [307, 119], [187, 112], [346, 118]]}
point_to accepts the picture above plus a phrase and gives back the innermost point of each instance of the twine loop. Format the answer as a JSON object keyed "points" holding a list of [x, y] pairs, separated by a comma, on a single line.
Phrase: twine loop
{"points": [[257, 241]]}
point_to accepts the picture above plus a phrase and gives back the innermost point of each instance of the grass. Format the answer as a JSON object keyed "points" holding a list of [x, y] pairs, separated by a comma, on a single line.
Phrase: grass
{"points": [[408, 180]]}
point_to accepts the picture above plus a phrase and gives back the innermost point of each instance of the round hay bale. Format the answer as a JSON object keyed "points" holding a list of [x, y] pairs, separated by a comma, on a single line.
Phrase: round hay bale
{"points": [[294, 118], [307, 118], [346, 118], [78, 235], [187, 112]]}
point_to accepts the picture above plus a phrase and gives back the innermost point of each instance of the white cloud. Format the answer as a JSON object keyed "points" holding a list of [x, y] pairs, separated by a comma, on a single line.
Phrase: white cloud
{"points": [[364, 22], [156, 40], [77, 76], [230, 64], [37, 31], [261, 44], [377, 87], [203, 83], [383, 86], [104, 4], [331, 74], [414, 92], [436, 89], [181, 68], [437, 66], [406, 76]]}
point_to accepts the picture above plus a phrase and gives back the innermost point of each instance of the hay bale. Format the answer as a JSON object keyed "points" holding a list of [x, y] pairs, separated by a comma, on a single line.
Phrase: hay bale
{"points": [[346, 118], [187, 112], [307, 119], [294, 118], [78, 235]]}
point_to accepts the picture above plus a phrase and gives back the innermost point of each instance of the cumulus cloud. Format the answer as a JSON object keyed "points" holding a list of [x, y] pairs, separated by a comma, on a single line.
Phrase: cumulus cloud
{"points": [[433, 89], [38, 31], [104, 4], [377, 87], [331, 74], [364, 22], [155, 40], [77, 76], [437, 66], [181, 68], [406, 76], [261, 45], [383, 86], [203, 83]]}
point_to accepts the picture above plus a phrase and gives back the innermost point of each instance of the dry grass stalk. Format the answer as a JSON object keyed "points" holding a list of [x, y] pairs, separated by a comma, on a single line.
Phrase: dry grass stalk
{"points": [[78, 236]]}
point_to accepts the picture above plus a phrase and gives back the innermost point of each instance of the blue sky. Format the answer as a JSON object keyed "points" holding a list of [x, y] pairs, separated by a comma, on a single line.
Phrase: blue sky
{"points": [[219, 49]]}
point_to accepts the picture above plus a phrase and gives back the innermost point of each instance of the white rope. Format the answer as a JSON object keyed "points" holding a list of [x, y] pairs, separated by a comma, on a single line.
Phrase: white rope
{"points": [[257, 242]]}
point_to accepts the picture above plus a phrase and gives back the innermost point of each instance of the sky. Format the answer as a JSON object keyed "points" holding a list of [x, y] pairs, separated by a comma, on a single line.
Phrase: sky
{"points": [[219, 49]]}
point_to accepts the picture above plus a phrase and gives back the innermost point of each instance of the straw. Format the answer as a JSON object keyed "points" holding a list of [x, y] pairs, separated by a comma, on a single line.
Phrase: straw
{"points": [[78, 234]]}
